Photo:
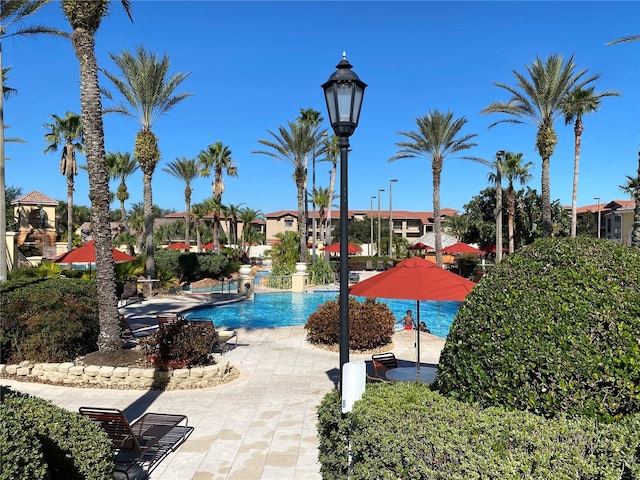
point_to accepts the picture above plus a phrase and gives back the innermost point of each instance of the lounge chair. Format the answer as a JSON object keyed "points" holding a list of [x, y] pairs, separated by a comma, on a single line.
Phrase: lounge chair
{"points": [[167, 319], [130, 293], [380, 267], [142, 444], [372, 377], [223, 335], [130, 333], [368, 265], [383, 362]]}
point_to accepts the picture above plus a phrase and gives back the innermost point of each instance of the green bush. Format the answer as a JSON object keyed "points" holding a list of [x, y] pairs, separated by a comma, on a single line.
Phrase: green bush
{"points": [[404, 430], [320, 273], [554, 328], [370, 324], [42, 441], [181, 345], [191, 267], [48, 320]]}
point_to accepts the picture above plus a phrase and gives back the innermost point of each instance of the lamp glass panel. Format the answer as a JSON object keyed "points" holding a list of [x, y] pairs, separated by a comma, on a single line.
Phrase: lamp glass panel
{"points": [[344, 102], [357, 103], [330, 96]]}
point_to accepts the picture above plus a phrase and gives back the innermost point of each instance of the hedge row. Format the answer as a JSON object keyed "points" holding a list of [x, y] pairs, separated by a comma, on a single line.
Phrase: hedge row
{"points": [[407, 431], [39, 440], [47, 320]]}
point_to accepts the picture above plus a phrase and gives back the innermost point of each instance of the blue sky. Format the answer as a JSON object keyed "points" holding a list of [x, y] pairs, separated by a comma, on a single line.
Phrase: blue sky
{"points": [[254, 65]]}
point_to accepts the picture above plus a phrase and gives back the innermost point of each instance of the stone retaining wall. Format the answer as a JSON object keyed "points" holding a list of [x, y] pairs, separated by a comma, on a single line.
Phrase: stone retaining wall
{"points": [[122, 377]]}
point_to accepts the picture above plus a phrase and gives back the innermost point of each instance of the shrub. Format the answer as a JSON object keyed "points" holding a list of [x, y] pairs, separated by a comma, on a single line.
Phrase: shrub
{"points": [[48, 320], [320, 273], [181, 345], [41, 440], [404, 430], [191, 267], [370, 324], [554, 328]]}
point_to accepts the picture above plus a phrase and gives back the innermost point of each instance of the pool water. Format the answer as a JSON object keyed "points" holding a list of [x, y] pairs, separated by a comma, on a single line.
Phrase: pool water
{"points": [[268, 310]]}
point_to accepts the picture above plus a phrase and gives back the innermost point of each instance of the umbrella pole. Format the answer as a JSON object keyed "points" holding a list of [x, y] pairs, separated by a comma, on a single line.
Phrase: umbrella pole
{"points": [[418, 341]]}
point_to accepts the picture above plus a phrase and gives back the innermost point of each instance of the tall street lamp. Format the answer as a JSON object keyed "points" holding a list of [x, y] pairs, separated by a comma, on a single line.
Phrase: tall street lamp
{"points": [[380, 190], [371, 217], [391, 182], [598, 199], [343, 93], [500, 154]]}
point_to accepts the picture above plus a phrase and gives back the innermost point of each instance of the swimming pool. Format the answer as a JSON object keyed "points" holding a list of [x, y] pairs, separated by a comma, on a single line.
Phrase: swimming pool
{"points": [[268, 310]]}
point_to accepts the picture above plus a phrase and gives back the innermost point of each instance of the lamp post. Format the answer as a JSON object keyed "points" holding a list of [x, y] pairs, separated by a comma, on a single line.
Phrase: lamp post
{"points": [[371, 217], [598, 199], [500, 154], [380, 190], [343, 93], [391, 182]]}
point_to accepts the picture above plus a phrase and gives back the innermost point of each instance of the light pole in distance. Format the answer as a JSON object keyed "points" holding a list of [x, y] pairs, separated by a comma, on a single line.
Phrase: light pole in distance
{"points": [[380, 190], [343, 93], [391, 182], [371, 217]]}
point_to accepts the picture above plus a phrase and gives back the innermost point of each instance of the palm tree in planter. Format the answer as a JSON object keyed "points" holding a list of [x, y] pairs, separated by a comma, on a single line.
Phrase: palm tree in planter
{"points": [[198, 212], [148, 92], [579, 102], [186, 170], [66, 131], [439, 136], [249, 232], [85, 18], [121, 166]]}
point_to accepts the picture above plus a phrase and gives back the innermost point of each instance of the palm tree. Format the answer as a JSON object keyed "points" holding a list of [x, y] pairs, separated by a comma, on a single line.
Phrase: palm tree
{"points": [[293, 145], [331, 149], [323, 200], [198, 212], [233, 212], [14, 14], [538, 101], [579, 102], [247, 217], [513, 170], [215, 205], [186, 170], [85, 18], [148, 93], [66, 130], [121, 166], [630, 187], [438, 136], [217, 157]]}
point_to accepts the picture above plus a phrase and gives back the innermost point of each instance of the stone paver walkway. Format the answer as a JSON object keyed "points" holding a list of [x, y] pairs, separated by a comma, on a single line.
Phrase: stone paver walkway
{"points": [[259, 426]]}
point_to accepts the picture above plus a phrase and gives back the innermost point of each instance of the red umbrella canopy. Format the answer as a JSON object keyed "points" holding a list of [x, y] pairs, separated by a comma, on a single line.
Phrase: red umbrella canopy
{"points": [[87, 254], [415, 279], [335, 248], [179, 246], [421, 246], [462, 247], [491, 248]]}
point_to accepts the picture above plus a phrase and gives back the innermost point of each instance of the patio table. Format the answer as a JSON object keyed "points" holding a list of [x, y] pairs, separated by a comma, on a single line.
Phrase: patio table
{"points": [[410, 374]]}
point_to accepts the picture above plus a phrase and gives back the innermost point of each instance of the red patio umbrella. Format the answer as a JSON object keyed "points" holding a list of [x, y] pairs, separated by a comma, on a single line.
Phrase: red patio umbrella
{"points": [[87, 254], [415, 279], [352, 248], [461, 247], [420, 246], [207, 246], [179, 246]]}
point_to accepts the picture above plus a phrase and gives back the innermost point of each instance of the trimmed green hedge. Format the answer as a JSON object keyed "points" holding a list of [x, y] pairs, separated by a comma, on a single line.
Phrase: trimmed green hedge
{"points": [[190, 267], [48, 320], [554, 328], [406, 431], [39, 440]]}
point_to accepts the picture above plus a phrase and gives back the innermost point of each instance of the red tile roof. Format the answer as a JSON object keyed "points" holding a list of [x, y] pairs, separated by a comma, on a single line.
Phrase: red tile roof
{"points": [[35, 198]]}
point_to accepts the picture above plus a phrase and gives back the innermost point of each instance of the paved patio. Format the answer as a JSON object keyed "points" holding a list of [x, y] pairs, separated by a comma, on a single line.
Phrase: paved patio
{"points": [[259, 426]]}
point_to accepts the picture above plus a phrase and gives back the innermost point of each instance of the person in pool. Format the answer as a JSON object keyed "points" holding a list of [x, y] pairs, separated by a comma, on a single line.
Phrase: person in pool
{"points": [[407, 320]]}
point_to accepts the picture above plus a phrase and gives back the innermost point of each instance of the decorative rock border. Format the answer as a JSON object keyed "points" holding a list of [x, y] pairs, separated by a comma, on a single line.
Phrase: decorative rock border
{"points": [[123, 378]]}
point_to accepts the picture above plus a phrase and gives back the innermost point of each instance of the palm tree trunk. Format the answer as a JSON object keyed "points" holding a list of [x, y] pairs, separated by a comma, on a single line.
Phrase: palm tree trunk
{"points": [[635, 236], [511, 212], [547, 225], [576, 162], [69, 212], [84, 46], [123, 216], [150, 266], [332, 186], [187, 215], [302, 226], [216, 242], [437, 224]]}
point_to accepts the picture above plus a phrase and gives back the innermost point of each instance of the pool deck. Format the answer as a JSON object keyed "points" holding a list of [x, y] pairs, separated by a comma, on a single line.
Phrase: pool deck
{"points": [[261, 425]]}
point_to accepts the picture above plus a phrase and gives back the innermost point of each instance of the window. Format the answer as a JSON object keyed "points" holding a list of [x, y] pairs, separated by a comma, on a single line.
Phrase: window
{"points": [[288, 223]]}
